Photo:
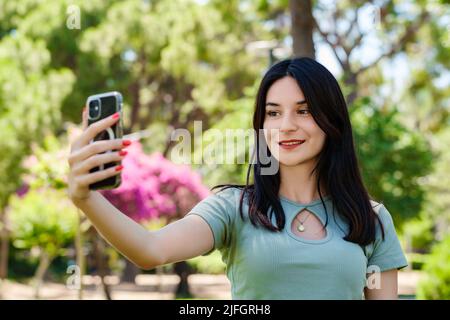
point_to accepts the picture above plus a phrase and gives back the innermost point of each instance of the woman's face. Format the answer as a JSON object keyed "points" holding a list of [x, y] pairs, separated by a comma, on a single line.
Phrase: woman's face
{"points": [[287, 117]]}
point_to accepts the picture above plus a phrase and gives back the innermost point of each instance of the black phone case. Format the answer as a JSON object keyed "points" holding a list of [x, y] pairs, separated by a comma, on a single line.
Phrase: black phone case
{"points": [[110, 103]]}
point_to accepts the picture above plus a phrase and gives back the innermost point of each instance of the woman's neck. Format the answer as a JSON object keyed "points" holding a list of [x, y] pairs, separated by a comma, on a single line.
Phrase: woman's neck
{"points": [[298, 185]]}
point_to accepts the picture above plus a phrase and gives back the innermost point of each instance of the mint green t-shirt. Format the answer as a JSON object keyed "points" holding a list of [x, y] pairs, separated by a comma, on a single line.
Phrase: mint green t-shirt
{"points": [[261, 264]]}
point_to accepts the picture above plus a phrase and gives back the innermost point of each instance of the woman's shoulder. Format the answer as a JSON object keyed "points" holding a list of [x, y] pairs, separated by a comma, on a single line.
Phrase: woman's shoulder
{"points": [[386, 219], [225, 197], [229, 192], [232, 196], [218, 204], [386, 251], [381, 210], [376, 206], [228, 189]]}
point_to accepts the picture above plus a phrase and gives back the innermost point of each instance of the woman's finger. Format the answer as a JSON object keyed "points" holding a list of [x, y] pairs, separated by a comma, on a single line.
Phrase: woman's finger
{"points": [[85, 120], [96, 147], [97, 127], [98, 160], [87, 179]]}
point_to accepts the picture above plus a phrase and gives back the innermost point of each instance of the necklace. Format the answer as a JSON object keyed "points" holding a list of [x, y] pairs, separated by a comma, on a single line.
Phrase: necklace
{"points": [[301, 227]]}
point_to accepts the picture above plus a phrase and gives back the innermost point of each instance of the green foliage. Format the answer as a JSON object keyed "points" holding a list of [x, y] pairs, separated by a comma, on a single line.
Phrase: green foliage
{"points": [[235, 145], [436, 284], [47, 167], [43, 220], [419, 232], [21, 265], [437, 184], [210, 264], [30, 98], [416, 260], [160, 54], [393, 159]]}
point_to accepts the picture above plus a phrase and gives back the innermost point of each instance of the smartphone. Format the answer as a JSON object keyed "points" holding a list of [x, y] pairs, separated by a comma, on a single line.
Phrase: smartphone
{"points": [[101, 106]]}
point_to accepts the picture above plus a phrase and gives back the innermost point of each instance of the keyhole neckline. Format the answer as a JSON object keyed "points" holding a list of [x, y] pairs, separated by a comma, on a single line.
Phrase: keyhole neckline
{"points": [[315, 210]]}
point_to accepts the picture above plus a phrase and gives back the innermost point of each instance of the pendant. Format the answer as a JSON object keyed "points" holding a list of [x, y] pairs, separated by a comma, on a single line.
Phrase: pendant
{"points": [[300, 228]]}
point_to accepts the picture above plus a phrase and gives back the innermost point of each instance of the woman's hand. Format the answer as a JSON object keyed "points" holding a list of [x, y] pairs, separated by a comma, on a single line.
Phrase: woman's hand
{"points": [[85, 156]]}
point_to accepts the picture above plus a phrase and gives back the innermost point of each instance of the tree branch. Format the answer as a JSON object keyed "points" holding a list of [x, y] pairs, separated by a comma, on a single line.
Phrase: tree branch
{"points": [[333, 46], [402, 42]]}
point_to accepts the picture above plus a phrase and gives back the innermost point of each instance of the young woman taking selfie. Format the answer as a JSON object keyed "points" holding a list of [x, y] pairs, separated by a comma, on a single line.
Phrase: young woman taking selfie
{"points": [[308, 231]]}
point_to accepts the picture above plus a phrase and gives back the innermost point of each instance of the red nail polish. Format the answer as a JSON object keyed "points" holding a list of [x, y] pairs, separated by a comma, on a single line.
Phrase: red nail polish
{"points": [[123, 153], [126, 142], [118, 168], [115, 115]]}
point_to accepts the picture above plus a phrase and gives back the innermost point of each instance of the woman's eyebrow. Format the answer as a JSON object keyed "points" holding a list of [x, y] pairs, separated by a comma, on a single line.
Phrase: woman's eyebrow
{"points": [[273, 104]]}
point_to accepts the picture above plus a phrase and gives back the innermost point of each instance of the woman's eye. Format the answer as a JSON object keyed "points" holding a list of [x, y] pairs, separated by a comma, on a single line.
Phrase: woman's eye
{"points": [[303, 112]]}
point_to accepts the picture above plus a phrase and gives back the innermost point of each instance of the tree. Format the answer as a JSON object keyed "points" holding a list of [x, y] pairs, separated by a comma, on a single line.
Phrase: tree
{"points": [[38, 225], [384, 146], [172, 59], [435, 284], [27, 116], [45, 172]]}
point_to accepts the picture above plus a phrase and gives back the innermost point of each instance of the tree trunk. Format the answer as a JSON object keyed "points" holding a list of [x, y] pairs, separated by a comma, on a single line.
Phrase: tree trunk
{"points": [[130, 272], [135, 105], [351, 81], [44, 262], [4, 250], [182, 270], [160, 273], [302, 25], [80, 253], [102, 266]]}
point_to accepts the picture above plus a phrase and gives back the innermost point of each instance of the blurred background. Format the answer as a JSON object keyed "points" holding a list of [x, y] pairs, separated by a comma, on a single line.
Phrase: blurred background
{"points": [[176, 61]]}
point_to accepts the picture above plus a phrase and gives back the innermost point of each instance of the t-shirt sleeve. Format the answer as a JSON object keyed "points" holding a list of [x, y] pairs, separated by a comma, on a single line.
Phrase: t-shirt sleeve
{"points": [[218, 210], [386, 254]]}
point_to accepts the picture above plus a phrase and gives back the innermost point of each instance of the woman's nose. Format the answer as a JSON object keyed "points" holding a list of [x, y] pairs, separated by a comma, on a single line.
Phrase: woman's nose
{"points": [[288, 124]]}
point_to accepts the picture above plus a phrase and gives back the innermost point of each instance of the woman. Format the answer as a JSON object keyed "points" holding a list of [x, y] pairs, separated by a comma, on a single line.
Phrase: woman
{"points": [[309, 230]]}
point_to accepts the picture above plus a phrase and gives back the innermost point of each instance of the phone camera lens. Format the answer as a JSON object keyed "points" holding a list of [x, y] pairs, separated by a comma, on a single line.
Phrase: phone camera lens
{"points": [[94, 109]]}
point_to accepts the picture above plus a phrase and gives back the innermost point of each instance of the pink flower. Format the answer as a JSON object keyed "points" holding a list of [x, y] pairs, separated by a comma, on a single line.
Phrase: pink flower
{"points": [[153, 186]]}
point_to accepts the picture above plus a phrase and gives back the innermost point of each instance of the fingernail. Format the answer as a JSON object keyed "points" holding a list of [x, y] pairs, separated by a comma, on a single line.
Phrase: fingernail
{"points": [[115, 115], [118, 168], [123, 153], [84, 109], [126, 142]]}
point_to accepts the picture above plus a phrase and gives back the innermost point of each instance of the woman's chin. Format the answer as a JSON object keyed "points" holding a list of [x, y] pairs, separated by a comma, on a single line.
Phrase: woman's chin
{"points": [[291, 161]]}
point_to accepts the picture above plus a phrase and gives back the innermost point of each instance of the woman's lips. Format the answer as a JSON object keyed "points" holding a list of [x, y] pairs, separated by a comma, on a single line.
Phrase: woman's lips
{"points": [[290, 144]]}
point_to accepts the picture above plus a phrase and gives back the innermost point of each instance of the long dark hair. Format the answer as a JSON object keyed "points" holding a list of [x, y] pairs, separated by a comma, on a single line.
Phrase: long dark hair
{"points": [[337, 166]]}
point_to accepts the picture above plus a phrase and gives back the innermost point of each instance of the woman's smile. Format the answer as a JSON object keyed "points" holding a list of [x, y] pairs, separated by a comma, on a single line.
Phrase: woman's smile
{"points": [[290, 144]]}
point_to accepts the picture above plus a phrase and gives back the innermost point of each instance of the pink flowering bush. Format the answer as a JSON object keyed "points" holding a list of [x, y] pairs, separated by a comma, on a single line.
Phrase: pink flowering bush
{"points": [[154, 187]]}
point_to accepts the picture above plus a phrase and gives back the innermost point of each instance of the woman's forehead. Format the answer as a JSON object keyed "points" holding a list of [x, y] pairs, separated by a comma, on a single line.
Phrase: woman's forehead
{"points": [[285, 91]]}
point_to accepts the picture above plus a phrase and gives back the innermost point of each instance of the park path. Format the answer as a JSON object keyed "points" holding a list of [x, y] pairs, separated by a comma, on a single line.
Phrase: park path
{"points": [[149, 287]]}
